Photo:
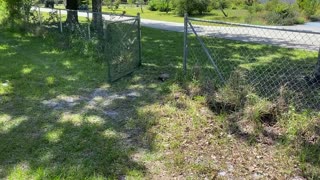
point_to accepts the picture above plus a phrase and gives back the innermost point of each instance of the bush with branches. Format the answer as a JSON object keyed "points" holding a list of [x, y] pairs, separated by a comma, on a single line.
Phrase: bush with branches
{"points": [[191, 6], [17, 10], [309, 7], [160, 5], [221, 5], [281, 13]]}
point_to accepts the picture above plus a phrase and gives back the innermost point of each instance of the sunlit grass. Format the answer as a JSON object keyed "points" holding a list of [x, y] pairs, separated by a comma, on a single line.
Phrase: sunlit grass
{"points": [[233, 15], [169, 130]]}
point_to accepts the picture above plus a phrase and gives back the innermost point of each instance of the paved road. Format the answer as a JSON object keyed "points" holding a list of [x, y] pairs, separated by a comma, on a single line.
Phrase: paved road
{"points": [[286, 36], [299, 36]]}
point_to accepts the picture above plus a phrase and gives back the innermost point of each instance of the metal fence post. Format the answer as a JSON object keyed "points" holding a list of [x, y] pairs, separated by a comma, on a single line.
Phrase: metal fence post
{"points": [[39, 16], [185, 43], [60, 19], [139, 38], [89, 33]]}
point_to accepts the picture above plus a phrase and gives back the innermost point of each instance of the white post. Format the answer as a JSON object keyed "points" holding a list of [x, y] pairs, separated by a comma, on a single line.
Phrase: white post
{"points": [[60, 19], [89, 33], [39, 15]]}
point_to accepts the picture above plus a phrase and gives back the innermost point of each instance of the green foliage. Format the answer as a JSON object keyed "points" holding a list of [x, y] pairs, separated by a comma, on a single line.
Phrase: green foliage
{"points": [[220, 4], [272, 4], [309, 7], [113, 4], [152, 5], [161, 5], [164, 5], [256, 7], [191, 6], [281, 13], [70, 139], [2, 10], [250, 2], [18, 10]]}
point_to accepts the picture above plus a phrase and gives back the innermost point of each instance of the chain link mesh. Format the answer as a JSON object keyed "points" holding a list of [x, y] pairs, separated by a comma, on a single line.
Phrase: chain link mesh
{"points": [[109, 37], [256, 63]]}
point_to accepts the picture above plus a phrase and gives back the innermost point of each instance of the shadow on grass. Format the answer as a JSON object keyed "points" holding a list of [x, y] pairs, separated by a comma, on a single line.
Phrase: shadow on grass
{"points": [[82, 138], [271, 71], [268, 73], [99, 139]]}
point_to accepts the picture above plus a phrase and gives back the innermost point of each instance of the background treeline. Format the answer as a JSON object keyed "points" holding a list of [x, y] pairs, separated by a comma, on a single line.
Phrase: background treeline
{"points": [[273, 11]]}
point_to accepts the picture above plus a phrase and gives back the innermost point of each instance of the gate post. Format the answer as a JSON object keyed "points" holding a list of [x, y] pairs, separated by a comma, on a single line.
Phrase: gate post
{"points": [[88, 17], [60, 21], [185, 43], [39, 11], [139, 38]]}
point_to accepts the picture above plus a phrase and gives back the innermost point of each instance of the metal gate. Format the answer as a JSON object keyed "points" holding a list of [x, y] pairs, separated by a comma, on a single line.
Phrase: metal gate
{"points": [[123, 46], [114, 38]]}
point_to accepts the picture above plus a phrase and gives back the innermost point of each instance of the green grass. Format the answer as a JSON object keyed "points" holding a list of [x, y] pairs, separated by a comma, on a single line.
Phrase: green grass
{"points": [[234, 15], [238, 15], [169, 131]]}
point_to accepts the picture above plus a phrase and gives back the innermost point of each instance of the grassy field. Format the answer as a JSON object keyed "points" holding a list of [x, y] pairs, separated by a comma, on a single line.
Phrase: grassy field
{"points": [[59, 119], [239, 15]]}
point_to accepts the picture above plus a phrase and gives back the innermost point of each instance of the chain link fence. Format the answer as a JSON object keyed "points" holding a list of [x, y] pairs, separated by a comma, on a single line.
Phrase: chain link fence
{"points": [[259, 65], [115, 39]]}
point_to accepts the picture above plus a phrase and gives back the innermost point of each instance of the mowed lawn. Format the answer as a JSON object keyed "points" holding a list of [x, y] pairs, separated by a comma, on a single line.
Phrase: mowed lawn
{"points": [[234, 15], [50, 126], [60, 119]]}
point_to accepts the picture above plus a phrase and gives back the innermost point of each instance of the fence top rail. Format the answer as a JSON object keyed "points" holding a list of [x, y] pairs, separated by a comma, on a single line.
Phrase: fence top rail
{"points": [[125, 20], [87, 11], [254, 26]]}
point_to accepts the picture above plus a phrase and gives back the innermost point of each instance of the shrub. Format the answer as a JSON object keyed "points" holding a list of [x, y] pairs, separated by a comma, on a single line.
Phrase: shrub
{"points": [[152, 5], [255, 8], [221, 4], [272, 4], [218, 4], [237, 4], [281, 13], [113, 4], [164, 5], [18, 11], [191, 6], [117, 4], [2, 10], [250, 2], [309, 7], [315, 18], [161, 5]]}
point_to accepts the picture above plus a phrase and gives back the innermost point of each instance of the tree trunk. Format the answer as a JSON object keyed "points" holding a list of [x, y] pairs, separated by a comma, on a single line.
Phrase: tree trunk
{"points": [[97, 16], [141, 5], [72, 15], [224, 13]]}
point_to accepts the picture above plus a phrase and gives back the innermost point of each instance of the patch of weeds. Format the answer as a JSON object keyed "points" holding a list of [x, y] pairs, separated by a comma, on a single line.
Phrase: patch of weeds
{"points": [[303, 139], [260, 110], [232, 96]]}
